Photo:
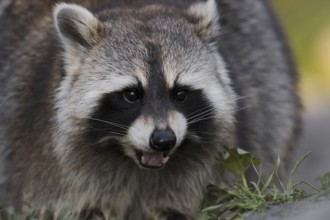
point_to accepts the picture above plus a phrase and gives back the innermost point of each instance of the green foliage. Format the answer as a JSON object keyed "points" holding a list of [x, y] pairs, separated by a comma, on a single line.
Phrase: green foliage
{"points": [[325, 183], [238, 160], [231, 203]]}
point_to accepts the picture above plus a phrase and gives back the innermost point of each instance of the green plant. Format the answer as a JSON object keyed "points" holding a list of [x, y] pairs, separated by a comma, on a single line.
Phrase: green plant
{"points": [[243, 197], [325, 184]]}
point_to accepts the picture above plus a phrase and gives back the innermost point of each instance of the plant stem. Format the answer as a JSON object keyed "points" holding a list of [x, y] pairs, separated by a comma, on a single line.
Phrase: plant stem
{"points": [[244, 180]]}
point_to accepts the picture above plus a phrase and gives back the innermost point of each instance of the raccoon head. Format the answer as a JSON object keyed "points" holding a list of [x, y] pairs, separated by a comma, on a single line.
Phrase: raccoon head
{"points": [[144, 85]]}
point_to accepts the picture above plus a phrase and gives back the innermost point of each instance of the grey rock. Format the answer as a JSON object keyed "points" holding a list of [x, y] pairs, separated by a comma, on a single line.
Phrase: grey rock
{"points": [[310, 209]]}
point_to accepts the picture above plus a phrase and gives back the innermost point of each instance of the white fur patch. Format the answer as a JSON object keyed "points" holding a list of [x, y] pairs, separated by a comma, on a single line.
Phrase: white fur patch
{"points": [[208, 12], [140, 74], [178, 123], [88, 94], [139, 133]]}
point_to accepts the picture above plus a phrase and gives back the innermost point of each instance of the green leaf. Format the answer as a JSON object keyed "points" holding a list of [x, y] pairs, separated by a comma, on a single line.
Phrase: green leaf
{"points": [[325, 181], [270, 179], [202, 216], [294, 170], [238, 160]]}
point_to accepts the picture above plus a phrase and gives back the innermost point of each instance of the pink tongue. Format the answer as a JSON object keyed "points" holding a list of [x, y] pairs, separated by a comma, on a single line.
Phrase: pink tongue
{"points": [[153, 159]]}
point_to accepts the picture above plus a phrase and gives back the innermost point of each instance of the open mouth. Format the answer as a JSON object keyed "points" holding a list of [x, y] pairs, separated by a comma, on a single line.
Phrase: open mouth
{"points": [[152, 160]]}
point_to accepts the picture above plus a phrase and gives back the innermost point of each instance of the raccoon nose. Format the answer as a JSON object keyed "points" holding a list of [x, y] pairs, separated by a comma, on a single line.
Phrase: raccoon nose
{"points": [[162, 140]]}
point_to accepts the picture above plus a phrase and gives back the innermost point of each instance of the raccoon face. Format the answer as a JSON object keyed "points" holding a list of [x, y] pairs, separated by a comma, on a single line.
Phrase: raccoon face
{"points": [[147, 85]]}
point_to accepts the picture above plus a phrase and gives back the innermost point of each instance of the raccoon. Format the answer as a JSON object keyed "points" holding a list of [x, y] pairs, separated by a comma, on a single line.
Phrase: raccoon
{"points": [[121, 108]]}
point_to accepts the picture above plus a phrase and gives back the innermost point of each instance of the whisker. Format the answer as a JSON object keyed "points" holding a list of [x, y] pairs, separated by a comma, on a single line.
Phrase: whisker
{"points": [[210, 107], [99, 142], [199, 110], [109, 132], [108, 122], [205, 115], [209, 115], [240, 109], [116, 133], [202, 119], [201, 114], [242, 97]]}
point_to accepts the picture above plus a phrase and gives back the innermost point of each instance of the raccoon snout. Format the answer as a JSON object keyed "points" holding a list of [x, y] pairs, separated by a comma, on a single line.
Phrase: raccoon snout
{"points": [[162, 140]]}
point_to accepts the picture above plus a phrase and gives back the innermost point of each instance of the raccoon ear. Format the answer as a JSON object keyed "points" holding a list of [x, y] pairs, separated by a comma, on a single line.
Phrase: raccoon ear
{"points": [[77, 26], [207, 14]]}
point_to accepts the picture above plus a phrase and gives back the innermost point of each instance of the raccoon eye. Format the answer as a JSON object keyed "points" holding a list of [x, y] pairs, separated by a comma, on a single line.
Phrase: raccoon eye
{"points": [[131, 96], [181, 96]]}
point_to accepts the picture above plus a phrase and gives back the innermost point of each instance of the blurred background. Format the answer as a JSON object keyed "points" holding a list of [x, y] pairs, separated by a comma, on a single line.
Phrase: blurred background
{"points": [[306, 24]]}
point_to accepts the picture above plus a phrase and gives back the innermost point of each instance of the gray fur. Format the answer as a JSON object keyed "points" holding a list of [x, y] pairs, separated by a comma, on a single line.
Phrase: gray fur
{"points": [[262, 77], [51, 167]]}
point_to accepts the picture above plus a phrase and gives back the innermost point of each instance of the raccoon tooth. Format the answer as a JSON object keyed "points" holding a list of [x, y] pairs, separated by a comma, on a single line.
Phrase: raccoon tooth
{"points": [[165, 159], [143, 160]]}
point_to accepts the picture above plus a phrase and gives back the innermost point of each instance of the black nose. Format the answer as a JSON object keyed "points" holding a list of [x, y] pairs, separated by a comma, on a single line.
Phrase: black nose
{"points": [[162, 140]]}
